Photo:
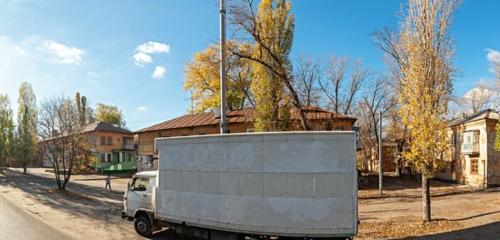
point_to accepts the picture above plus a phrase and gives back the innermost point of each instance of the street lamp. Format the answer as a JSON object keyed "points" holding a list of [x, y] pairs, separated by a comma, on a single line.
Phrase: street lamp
{"points": [[223, 119]]}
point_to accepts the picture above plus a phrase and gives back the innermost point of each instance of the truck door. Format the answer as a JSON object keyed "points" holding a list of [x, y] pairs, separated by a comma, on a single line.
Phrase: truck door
{"points": [[139, 196]]}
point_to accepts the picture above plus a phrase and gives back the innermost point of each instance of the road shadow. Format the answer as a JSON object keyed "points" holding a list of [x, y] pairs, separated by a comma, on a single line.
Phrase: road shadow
{"points": [[483, 232], [474, 216], [393, 183], [168, 234], [80, 200]]}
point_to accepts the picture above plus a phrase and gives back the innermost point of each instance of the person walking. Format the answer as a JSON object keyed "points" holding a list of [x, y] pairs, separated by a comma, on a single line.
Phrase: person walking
{"points": [[108, 182]]}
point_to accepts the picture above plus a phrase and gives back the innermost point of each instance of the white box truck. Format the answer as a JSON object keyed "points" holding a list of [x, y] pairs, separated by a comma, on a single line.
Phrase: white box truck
{"points": [[301, 185]]}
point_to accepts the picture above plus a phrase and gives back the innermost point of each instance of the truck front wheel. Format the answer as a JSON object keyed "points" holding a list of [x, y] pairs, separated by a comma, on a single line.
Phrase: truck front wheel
{"points": [[143, 226]]}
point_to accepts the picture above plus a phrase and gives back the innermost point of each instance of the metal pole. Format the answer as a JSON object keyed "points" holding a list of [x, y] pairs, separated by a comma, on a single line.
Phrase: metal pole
{"points": [[223, 120], [380, 165]]}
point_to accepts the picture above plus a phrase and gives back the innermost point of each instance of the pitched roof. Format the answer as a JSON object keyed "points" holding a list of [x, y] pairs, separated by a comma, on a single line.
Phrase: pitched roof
{"points": [[103, 126], [487, 113], [237, 116]]}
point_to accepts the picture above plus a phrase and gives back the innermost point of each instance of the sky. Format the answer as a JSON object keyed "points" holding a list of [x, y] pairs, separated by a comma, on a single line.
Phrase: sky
{"points": [[132, 53]]}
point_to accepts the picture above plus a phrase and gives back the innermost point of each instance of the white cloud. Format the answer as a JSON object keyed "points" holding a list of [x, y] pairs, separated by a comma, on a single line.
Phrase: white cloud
{"points": [[20, 50], [159, 72], [141, 59], [142, 108], [153, 47], [493, 56], [63, 54], [144, 51], [480, 92]]}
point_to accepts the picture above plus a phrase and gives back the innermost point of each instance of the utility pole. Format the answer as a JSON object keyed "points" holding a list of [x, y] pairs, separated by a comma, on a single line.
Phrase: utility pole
{"points": [[380, 165], [223, 119]]}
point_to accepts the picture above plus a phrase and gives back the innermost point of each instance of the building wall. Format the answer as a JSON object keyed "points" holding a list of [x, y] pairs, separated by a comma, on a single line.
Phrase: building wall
{"points": [[120, 155], [95, 146], [493, 163], [116, 141], [388, 157], [459, 165]]}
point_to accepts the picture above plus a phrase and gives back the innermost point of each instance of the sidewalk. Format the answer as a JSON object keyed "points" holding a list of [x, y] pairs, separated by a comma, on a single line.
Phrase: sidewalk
{"points": [[117, 183]]}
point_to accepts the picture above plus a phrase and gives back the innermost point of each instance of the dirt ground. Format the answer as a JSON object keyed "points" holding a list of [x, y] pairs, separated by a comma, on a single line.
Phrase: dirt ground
{"points": [[90, 212], [87, 211], [459, 212]]}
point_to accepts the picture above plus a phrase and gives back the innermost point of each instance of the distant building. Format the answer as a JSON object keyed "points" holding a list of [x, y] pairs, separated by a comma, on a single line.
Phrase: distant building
{"points": [[112, 147], [239, 121], [473, 159], [370, 163]]}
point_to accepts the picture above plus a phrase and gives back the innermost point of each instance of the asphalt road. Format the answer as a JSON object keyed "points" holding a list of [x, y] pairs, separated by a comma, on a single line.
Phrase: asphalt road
{"points": [[16, 224]]}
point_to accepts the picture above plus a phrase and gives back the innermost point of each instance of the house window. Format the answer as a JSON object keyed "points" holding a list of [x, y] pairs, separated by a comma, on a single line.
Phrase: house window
{"points": [[476, 137], [110, 141], [109, 157], [103, 140], [103, 157], [453, 140], [474, 166]]}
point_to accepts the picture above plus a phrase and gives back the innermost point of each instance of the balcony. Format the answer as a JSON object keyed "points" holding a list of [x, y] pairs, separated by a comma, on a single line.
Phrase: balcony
{"points": [[129, 146], [470, 148]]}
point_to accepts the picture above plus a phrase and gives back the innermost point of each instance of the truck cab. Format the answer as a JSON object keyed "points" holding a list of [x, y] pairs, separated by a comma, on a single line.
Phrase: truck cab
{"points": [[138, 202]]}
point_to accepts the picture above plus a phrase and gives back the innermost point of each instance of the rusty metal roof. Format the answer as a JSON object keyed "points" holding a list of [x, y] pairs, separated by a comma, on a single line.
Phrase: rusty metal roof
{"points": [[238, 116], [106, 127]]}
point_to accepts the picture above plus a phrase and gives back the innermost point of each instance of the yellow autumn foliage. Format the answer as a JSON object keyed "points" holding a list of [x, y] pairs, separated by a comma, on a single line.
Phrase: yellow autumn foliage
{"points": [[427, 83], [202, 78], [275, 26]]}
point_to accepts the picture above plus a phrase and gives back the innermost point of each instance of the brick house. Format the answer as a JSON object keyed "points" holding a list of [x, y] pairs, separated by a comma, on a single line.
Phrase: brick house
{"points": [[473, 159], [239, 121], [371, 164], [112, 147]]}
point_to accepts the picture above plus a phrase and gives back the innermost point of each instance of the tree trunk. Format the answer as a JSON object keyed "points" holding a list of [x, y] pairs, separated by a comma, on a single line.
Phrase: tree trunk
{"points": [[426, 199]]}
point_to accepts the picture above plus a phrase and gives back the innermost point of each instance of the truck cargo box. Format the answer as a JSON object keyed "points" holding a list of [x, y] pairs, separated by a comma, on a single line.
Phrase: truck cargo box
{"points": [[277, 184]]}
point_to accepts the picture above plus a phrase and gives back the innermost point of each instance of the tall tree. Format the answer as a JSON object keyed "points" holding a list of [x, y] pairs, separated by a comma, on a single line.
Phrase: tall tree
{"points": [[202, 78], [62, 139], [271, 31], [26, 136], [110, 114], [306, 81], [85, 111], [6, 131], [426, 86], [343, 83], [375, 99]]}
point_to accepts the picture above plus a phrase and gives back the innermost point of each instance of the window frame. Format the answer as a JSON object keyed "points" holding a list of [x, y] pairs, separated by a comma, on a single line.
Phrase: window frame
{"points": [[133, 188], [474, 166]]}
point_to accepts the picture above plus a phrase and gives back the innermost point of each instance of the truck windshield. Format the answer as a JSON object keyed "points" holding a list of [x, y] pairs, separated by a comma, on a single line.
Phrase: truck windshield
{"points": [[140, 184]]}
